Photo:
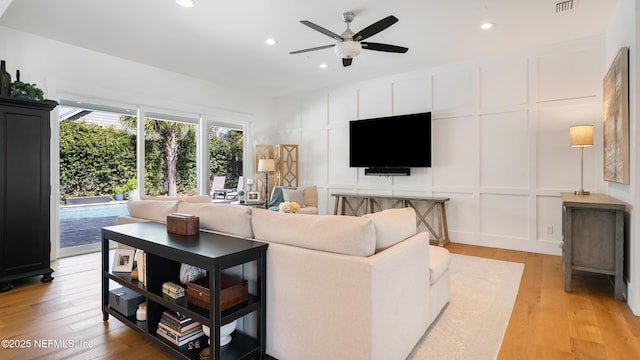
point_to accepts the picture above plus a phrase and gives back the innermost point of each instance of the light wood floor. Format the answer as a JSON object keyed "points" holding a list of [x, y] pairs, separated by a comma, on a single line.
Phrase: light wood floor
{"points": [[546, 323]]}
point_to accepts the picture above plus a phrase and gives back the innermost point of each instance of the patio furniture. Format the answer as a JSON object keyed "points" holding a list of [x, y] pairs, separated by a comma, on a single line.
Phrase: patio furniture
{"points": [[217, 187], [233, 195]]}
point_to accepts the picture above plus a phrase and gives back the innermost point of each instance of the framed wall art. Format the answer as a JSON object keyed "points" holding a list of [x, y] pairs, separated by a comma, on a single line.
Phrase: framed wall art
{"points": [[616, 119]]}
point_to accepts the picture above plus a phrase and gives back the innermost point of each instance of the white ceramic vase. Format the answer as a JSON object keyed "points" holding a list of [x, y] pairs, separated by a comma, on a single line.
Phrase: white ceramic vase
{"points": [[225, 332]]}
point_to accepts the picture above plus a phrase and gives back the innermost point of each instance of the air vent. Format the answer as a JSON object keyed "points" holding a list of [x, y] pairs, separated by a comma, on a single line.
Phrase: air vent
{"points": [[562, 6]]}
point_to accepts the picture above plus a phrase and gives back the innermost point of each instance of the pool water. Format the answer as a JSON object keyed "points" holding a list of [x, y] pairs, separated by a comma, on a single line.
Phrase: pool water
{"points": [[74, 212]]}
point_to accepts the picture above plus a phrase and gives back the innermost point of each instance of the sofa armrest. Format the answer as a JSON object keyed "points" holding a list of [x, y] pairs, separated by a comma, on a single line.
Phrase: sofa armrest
{"points": [[324, 305]]}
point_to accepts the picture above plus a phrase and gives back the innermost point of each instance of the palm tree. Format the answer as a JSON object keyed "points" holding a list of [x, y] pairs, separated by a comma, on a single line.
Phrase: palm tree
{"points": [[168, 134]]}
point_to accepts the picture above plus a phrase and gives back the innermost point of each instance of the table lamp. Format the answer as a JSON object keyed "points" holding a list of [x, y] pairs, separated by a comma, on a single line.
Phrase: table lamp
{"points": [[581, 136]]}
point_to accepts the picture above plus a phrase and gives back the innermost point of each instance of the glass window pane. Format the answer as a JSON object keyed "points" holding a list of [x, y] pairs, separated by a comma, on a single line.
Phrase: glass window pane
{"points": [[170, 157], [225, 160]]}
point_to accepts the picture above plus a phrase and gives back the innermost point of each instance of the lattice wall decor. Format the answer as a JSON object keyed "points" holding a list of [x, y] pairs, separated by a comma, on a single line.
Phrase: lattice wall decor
{"points": [[264, 152], [286, 156]]}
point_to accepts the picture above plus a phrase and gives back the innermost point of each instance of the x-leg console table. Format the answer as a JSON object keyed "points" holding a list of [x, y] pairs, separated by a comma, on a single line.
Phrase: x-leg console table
{"points": [[354, 204]]}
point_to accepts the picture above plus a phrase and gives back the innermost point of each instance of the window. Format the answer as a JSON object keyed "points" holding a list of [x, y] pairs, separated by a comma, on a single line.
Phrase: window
{"points": [[170, 156], [225, 154], [97, 164]]}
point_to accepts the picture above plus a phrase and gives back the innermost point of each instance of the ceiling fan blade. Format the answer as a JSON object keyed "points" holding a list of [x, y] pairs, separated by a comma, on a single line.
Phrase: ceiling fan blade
{"points": [[346, 61], [319, 28], [313, 49], [383, 47], [375, 28]]}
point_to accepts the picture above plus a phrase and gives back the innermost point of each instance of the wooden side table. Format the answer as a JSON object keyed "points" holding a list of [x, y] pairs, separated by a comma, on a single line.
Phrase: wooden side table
{"points": [[593, 232]]}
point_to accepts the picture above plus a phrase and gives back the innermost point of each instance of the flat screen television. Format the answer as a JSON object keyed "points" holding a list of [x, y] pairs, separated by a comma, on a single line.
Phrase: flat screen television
{"points": [[391, 144]]}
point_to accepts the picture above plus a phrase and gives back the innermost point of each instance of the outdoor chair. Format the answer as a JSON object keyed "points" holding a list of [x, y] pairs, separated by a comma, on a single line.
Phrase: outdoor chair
{"points": [[233, 195], [217, 188]]}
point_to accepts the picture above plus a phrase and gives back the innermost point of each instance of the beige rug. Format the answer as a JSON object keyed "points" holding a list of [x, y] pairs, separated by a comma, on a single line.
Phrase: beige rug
{"points": [[472, 325]]}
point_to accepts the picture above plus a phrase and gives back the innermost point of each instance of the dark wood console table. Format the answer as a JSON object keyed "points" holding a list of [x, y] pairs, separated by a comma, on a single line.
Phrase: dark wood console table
{"points": [[593, 234], [352, 204], [165, 252]]}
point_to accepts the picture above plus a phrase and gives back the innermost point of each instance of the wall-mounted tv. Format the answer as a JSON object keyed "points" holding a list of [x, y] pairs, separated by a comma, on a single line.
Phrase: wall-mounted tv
{"points": [[391, 145]]}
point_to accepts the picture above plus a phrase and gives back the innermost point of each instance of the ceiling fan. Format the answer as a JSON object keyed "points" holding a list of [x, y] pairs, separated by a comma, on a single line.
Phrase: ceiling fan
{"points": [[349, 44]]}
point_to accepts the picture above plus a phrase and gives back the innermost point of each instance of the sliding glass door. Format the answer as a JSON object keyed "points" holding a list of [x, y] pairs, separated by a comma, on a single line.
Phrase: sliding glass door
{"points": [[97, 165]]}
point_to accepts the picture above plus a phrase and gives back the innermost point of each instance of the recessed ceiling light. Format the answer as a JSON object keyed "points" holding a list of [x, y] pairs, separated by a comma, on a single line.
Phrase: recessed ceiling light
{"points": [[270, 41], [487, 26], [186, 3], [323, 66]]}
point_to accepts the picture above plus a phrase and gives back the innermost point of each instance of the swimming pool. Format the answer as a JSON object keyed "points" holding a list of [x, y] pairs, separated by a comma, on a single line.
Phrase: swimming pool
{"points": [[74, 212]]}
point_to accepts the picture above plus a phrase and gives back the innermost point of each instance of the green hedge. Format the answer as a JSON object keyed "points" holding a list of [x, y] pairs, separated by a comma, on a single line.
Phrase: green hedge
{"points": [[95, 160]]}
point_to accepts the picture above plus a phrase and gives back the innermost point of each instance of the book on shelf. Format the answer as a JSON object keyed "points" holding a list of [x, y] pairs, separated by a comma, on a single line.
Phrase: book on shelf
{"points": [[179, 341], [180, 330], [176, 317], [141, 259], [178, 337]]}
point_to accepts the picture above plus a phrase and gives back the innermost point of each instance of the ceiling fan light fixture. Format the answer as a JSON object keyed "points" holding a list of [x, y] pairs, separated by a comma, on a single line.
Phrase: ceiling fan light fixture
{"points": [[487, 25], [186, 3], [348, 49]]}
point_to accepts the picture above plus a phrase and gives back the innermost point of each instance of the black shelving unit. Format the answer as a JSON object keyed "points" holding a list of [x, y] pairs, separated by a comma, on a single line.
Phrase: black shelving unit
{"points": [[165, 253]]}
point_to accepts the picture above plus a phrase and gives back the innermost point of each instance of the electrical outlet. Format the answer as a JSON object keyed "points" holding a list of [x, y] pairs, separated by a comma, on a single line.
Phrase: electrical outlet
{"points": [[549, 229]]}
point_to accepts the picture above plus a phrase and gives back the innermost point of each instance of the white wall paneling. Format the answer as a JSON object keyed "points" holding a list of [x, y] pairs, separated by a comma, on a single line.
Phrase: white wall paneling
{"points": [[338, 161], [504, 150], [549, 215], [462, 210], [504, 216], [504, 83], [570, 75], [499, 139], [374, 101], [454, 151], [452, 90], [313, 157], [411, 95], [314, 114], [343, 106]]}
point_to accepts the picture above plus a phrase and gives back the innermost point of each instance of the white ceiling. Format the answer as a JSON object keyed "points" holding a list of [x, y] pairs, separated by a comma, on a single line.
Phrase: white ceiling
{"points": [[223, 41]]}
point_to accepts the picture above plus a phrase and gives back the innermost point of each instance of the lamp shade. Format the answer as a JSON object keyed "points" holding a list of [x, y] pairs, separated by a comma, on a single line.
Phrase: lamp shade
{"points": [[266, 165], [581, 135]]}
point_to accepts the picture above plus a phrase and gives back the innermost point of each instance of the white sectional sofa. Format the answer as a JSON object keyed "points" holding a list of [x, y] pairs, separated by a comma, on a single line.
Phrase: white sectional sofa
{"points": [[338, 287]]}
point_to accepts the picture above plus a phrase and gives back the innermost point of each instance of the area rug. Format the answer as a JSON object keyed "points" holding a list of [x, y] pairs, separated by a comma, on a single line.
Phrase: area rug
{"points": [[472, 325]]}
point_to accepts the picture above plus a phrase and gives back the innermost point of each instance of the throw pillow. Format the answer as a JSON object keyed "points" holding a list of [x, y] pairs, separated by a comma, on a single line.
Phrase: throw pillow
{"points": [[294, 196], [393, 226]]}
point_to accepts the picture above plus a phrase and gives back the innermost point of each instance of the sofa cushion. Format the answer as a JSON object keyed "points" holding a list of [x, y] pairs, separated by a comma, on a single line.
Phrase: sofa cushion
{"points": [[393, 226], [225, 218], [439, 261], [347, 235], [292, 195], [155, 210], [310, 194]]}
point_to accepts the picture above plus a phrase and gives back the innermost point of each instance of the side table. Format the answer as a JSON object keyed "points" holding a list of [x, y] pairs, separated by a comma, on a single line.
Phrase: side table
{"points": [[593, 234]]}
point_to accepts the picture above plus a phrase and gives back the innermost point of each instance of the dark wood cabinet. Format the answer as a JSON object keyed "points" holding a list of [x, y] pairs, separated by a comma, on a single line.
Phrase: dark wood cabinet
{"points": [[593, 234], [25, 243]]}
